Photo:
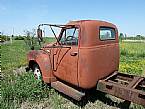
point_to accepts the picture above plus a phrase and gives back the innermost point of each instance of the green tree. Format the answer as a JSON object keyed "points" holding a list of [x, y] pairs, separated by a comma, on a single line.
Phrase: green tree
{"points": [[121, 36]]}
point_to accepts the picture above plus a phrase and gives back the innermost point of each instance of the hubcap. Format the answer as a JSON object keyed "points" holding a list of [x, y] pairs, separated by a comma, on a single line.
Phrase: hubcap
{"points": [[37, 74]]}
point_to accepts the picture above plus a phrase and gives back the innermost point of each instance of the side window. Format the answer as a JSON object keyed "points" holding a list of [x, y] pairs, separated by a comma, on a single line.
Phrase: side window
{"points": [[107, 33], [69, 37]]}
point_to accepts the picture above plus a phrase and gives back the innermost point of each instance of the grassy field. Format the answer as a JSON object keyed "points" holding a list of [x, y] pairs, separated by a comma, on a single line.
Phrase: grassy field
{"points": [[22, 91], [13, 55], [132, 58]]}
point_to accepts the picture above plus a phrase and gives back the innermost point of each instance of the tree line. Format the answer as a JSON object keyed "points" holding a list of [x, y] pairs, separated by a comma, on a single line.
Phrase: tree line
{"points": [[29, 34], [125, 37]]}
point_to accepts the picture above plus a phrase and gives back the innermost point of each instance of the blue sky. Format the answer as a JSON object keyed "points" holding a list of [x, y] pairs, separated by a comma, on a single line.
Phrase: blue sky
{"points": [[128, 15]]}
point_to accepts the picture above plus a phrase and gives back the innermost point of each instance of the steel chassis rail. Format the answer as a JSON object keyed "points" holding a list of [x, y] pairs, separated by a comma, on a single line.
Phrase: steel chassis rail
{"points": [[124, 86]]}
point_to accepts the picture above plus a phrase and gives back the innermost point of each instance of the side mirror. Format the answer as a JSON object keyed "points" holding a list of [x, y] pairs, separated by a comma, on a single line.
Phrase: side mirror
{"points": [[39, 34]]}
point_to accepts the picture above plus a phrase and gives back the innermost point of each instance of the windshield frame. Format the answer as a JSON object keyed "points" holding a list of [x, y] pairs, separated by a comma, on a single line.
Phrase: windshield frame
{"points": [[59, 26], [63, 30]]}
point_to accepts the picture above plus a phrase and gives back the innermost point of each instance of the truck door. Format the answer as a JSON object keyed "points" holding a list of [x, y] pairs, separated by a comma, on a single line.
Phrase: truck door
{"points": [[65, 58]]}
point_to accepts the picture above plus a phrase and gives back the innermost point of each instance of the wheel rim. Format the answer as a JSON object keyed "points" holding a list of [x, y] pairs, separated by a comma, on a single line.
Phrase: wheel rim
{"points": [[37, 74]]}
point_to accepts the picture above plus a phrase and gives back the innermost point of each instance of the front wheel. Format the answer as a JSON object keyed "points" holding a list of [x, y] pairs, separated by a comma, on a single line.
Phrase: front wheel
{"points": [[37, 72]]}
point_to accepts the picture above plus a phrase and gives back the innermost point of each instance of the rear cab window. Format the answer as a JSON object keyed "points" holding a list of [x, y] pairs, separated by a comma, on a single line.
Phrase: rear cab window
{"points": [[106, 33]]}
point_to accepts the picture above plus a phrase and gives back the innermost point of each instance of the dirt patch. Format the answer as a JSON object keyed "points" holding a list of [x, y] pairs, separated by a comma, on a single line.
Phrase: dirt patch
{"points": [[5, 42], [44, 104], [20, 70]]}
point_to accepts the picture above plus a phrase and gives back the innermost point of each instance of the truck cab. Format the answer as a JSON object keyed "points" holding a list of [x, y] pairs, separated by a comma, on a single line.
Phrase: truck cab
{"points": [[85, 51]]}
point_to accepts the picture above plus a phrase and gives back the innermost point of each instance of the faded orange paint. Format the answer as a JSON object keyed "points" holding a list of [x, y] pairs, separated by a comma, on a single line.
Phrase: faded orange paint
{"points": [[42, 58], [81, 65]]}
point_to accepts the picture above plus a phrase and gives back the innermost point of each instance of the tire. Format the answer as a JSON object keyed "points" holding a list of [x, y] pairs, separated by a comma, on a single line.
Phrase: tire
{"points": [[37, 72]]}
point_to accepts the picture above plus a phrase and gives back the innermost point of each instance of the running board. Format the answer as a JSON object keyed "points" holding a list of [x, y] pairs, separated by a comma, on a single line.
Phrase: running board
{"points": [[67, 90], [124, 86]]}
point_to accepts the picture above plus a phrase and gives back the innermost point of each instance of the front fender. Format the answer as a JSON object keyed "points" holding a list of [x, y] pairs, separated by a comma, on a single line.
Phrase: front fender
{"points": [[43, 60]]}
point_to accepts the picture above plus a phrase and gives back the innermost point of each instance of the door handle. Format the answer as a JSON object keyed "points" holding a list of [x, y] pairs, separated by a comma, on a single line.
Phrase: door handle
{"points": [[73, 53]]}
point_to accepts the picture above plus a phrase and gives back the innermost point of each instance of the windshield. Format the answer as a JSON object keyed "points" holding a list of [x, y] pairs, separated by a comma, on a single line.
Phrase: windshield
{"points": [[69, 36], [64, 34]]}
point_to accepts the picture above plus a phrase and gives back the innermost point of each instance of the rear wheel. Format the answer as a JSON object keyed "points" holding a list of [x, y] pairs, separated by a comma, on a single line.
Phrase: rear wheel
{"points": [[37, 72]]}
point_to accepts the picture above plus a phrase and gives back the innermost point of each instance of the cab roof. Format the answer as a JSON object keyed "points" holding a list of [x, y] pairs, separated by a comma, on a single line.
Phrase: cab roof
{"points": [[91, 22]]}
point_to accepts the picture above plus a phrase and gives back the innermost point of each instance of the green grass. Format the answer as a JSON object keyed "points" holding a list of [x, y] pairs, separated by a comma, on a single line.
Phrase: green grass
{"points": [[18, 89], [133, 49], [33, 41], [132, 58], [50, 39], [13, 55]]}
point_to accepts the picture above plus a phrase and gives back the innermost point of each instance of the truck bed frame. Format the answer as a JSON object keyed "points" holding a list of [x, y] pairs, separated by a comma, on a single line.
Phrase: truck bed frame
{"points": [[124, 86]]}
